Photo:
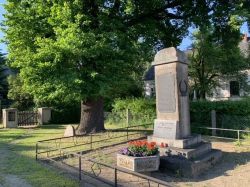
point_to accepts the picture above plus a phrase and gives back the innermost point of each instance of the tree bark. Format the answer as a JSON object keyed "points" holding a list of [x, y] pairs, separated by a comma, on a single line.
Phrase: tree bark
{"points": [[92, 117]]}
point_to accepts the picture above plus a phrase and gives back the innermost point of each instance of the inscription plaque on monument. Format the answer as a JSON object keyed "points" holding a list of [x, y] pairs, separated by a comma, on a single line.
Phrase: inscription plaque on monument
{"points": [[166, 93], [166, 129]]}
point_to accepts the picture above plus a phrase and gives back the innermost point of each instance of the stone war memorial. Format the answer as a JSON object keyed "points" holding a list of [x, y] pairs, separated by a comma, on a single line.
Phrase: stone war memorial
{"points": [[186, 152]]}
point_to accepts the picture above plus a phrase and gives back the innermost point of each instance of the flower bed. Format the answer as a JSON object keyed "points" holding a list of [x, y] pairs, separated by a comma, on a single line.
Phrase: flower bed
{"points": [[139, 156]]}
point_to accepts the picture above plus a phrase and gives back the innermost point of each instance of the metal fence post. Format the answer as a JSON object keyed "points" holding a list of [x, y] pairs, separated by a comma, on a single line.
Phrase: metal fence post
{"points": [[36, 149], [127, 133], [213, 120], [115, 177], [127, 116], [238, 132], [91, 141], [80, 168]]}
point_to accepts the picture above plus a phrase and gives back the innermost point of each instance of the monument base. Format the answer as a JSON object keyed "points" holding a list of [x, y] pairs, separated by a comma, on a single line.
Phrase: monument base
{"points": [[188, 157], [190, 168], [190, 153], [178, 143]]}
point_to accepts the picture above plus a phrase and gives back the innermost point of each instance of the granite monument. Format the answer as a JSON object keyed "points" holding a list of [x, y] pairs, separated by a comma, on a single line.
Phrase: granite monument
{"points": [[172, 126]]}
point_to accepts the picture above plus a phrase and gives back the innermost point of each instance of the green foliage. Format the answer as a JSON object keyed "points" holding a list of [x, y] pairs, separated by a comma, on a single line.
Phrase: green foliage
{"points": [[74, 55], [213, 60], [3, 81], [241, 107], [23, 100], [79, 50], [229, 115], [69, 51], [136, 106], [141, 111]]}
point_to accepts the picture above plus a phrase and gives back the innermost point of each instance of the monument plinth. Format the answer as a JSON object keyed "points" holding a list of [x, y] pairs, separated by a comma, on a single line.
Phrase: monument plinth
{"points": [[172, 125]]}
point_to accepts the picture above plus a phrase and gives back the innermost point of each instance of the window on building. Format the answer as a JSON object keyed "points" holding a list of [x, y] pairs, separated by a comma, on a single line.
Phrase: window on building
{"points": [[234, 88]]}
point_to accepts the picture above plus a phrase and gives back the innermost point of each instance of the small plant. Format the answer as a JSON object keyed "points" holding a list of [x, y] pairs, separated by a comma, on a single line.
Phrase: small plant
{"points": [[238, 143], [140, 148]]}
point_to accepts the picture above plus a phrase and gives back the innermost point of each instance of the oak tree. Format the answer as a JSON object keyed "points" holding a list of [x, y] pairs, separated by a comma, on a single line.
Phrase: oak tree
{"points": [[86, 50]]}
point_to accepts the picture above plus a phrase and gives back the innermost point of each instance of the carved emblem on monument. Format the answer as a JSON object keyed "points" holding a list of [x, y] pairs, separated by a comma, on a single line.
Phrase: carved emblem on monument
{"points": [[183, 87]]}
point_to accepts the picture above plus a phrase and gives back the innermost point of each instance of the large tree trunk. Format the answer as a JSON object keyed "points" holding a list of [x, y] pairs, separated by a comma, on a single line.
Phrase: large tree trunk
{"points": [[92, 117]]}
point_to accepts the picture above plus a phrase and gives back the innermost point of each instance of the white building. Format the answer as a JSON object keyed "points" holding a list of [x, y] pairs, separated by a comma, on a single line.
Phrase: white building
{"points": [[230, 88]]}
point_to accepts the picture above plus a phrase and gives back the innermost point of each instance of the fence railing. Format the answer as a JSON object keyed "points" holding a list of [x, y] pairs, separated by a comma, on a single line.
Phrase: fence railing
{"points": [[117, 170], [228, 130], [62, 148], [56, 146]]}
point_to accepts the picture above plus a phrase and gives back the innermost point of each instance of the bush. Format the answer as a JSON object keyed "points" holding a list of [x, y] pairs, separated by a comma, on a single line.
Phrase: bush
{"points": [[229, 115], [141, 111], [241, 107], [136, 106]]}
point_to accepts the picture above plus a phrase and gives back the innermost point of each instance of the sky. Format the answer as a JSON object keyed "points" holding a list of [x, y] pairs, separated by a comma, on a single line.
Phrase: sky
{"points": [[3, 47], [186, 42]]}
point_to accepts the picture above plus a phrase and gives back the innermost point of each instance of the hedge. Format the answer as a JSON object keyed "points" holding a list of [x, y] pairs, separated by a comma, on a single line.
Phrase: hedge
{"points": [[136, 106], [228, 112]]}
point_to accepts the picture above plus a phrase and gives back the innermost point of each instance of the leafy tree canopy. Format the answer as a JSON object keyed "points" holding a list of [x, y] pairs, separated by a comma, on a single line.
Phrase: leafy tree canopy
{"points": [[88, 49], [212, 60]]}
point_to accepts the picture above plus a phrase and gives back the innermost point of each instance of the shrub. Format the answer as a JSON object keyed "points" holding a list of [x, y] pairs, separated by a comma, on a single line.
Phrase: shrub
{"points": [[229, 115], [241, 107], [141, 111], [135, 105]]}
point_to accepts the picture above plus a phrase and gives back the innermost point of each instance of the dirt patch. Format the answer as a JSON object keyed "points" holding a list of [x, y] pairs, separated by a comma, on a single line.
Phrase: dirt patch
{"points": [[232, 171]]}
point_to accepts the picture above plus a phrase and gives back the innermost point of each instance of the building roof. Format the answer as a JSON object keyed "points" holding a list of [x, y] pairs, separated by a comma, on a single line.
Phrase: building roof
{"points": [[150, 74]]}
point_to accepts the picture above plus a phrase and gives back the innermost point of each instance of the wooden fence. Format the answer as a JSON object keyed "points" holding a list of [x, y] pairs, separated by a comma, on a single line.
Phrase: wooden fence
{"points": [[27, 118]]}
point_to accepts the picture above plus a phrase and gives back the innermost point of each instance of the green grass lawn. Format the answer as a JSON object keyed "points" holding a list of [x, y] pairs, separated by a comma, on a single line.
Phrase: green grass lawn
{"points": [[17, 157], [17, 154]]}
